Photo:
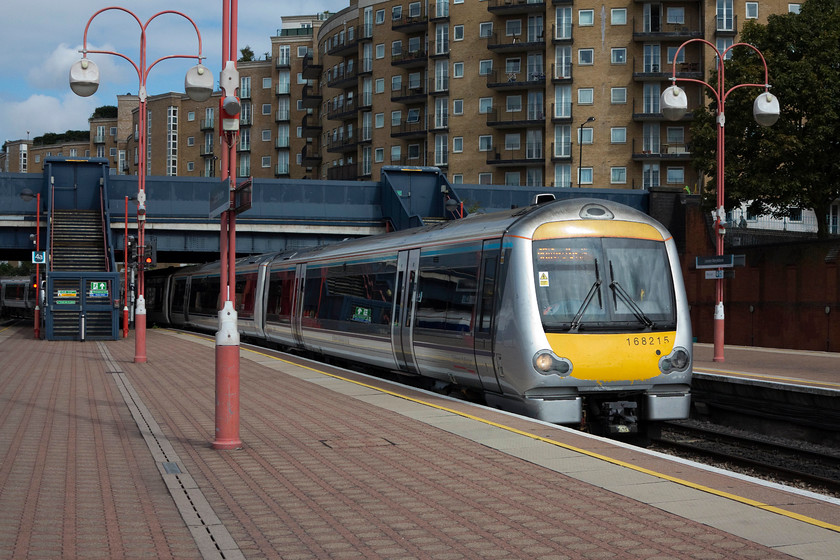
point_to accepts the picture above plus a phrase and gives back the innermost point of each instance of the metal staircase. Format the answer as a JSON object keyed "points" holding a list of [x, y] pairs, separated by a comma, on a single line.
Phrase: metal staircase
{"points": [[83, 287]]}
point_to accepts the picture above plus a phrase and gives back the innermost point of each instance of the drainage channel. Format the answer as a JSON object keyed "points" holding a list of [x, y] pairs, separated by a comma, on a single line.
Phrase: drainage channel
{"points": [[212, 538]]}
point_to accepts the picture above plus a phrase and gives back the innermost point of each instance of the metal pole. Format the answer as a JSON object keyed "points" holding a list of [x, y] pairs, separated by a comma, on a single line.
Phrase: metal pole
{"points": [[227, 337], [125, 271], [38, 268]]}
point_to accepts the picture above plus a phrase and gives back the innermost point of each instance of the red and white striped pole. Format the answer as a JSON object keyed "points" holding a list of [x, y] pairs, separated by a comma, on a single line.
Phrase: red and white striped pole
{"points": [[227, 337]]}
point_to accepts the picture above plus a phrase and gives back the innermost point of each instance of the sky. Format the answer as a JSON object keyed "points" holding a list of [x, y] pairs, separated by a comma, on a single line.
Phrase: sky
{"points": [[41, 39]]}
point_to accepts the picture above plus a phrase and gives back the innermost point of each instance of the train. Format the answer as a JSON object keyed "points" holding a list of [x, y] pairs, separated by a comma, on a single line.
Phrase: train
{"points": [[17, 297], [573, 312]]}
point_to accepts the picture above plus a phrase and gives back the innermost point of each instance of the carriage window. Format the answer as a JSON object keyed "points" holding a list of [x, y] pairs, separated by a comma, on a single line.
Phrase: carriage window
{"points": [[179, 288], [246, 291], [204, 295], [446, 291], [278, 307]]}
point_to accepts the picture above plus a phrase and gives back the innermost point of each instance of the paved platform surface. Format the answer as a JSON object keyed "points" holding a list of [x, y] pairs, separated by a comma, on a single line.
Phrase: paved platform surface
{"points": [[819, 369], [104, 458]]}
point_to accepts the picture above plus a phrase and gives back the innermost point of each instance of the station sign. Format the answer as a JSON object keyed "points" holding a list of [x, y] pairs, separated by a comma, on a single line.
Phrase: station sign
{"points": [[219, 198], [39, 257], [720, 261], [719, 274]]}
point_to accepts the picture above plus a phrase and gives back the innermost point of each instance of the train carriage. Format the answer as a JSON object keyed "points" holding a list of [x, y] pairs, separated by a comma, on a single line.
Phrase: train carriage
{"points": [[570, 311]]}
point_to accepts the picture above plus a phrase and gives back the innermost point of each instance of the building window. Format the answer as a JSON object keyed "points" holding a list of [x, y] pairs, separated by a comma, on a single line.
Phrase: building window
{"points": [[485, 67], [265, 161], [618, 175], [485, 105], [396, 117], [485, 178], [458, 33], [586, 18], [266, 108], [380, 17], [618, 55], [396, 82], [586, 96], [458, 70], [379, 120], [675, 175], [266, 135], [512, 142], [396, 48], [586, 57], [485, 29], [485, 143], [266, 83], [513, 65], [618, 135], [457, 106], [379, 155], [380, 50], [458, 178], [794, 8], [585, 135], [618, 95], [514, 103], [618, 16], [190, 166], [458, 144], [513, 27], [585, 175], [191, 116], [379, 85], [396, 15], [675, 15], [396, 151], [512, 178], [190, 142], [752, 10]]}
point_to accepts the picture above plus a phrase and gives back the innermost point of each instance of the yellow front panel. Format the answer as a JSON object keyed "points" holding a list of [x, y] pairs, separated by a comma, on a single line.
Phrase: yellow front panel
{"points": [[613, 357], [596, 228]]}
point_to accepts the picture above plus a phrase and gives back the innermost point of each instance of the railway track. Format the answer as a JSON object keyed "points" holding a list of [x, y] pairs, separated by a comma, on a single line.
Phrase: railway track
{"points": [[785, 461]]}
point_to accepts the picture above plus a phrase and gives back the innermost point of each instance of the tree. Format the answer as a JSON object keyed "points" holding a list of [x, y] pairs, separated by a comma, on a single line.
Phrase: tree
{"points": [[796, 162], [247, 54], [105, 112]]}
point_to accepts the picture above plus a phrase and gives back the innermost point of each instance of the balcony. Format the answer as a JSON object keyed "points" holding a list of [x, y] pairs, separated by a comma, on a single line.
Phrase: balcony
{"points": [[282, 115], [562, 35], [561, 73], [310, 127], [409, 94], [529, 155], [515, 80], [438, 85], [281, 170], [206, 151], [411, 128], [339, 144], [515, 7], [310, 98], [99, 138], [284, 61], [342, 78], [410, 24], [410, 59], [561, 114], [654, 151], [561, 153], [346, 172], [689, 28], [651, 111], [281, 143], [532, 115], [500, 43], [342, 47], [311, 71], [654, 72], [243, 147], [309, 156], [726, 26], [207, 124], [438, 11], [345, 111]]}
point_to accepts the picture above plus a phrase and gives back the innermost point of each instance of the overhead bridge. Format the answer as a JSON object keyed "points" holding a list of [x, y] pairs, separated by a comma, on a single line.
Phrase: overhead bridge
{"points": [[285, 214]]}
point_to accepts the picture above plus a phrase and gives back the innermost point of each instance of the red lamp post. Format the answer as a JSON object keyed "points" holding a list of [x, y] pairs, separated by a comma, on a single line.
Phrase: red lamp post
{"points": [[84, 81], [227, 337], [27, 195], [766, 113]]}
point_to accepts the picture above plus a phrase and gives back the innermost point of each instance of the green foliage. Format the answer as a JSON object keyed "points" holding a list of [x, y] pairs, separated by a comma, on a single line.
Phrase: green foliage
{"points": [[796, 162], [247, 54], [25, 269], [51, 138], [105, 112]]}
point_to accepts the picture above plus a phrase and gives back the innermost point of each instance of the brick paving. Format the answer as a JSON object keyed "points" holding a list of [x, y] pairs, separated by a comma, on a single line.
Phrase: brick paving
{"points": [[320, 475]]}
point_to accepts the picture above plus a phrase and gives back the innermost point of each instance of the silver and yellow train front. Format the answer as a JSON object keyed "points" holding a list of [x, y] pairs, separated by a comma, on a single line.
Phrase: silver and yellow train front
{"points": [[611, 337]]}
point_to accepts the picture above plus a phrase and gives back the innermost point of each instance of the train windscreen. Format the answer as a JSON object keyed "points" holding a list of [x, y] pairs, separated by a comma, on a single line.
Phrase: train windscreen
{"points": [[603, 284]]}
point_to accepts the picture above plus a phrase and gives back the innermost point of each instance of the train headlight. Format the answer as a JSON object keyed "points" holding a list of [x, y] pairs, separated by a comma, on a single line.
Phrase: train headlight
{"points": [[547, 363], [678, 360]]}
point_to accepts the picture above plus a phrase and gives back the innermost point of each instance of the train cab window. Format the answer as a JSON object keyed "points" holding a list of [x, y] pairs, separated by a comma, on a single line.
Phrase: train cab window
{"points": [[278, 307], [204, 295]]}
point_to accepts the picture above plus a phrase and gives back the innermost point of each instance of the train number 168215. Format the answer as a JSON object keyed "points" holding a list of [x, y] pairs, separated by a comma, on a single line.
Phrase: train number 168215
{"points": [[648, 340]]}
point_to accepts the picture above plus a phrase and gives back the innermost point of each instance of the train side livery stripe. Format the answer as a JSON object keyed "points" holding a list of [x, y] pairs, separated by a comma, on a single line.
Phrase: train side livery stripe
{"points": [[597, 228], [613, 357]]}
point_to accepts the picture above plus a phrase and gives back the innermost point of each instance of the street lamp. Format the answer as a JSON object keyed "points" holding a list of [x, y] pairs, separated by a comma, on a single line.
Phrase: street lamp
{"points": [[580, 146], [27, 195], [766, 113], [84, 81]]}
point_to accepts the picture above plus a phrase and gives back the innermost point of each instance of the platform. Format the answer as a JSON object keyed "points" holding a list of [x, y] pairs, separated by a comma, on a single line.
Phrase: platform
{"points": [[104, 458]]}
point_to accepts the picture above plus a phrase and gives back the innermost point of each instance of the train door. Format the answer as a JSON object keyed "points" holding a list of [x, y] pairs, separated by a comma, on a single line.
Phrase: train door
{"points": [[297, 304], [402, 339], [486, 314]]}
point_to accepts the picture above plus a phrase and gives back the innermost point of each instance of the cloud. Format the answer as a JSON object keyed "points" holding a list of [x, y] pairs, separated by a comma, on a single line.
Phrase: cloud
{"points": [[40, 113], [53, 71]]}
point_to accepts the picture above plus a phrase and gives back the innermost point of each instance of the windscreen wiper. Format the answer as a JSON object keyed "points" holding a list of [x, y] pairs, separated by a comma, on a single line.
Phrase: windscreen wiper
{"points": [[588, 299], [628, 300]]}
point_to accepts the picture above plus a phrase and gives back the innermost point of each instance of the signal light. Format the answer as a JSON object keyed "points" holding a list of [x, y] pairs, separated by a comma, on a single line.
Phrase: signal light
{"points": [[150, 253]]}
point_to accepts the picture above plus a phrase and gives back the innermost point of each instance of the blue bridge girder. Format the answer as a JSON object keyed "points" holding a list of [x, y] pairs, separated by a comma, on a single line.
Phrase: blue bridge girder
{"points": [[285, 214]]}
